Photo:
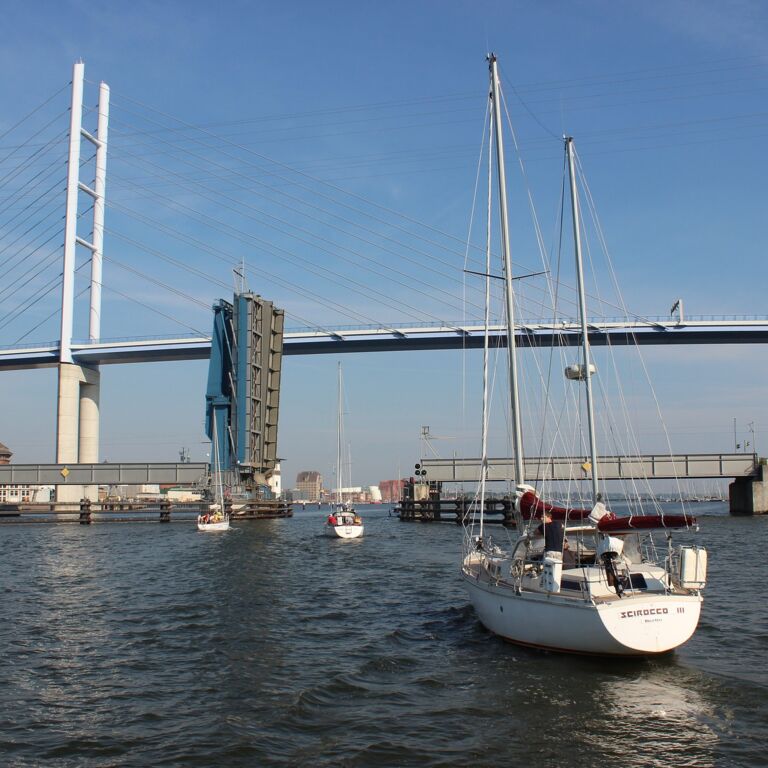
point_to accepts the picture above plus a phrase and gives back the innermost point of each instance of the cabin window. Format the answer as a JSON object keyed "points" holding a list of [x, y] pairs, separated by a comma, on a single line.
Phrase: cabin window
{"points": [[570, 584], [638, 581]]}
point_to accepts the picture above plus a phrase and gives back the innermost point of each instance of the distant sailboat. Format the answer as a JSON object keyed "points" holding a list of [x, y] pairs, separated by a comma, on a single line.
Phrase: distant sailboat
{"points": [[216, 519], [343, 522], [612, 592]]}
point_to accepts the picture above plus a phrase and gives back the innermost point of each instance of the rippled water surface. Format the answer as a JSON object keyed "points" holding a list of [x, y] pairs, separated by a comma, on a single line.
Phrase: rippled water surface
{"points": [[144, 644]]}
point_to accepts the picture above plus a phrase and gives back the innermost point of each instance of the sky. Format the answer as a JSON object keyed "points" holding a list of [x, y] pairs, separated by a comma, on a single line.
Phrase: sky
{"points": [[334, 147]]}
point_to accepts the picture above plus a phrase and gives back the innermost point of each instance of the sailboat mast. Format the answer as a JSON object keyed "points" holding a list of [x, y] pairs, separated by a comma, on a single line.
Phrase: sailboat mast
{"points": [[517, 432], [218, 482], [339, 457], [487, 322], [583, 315]]}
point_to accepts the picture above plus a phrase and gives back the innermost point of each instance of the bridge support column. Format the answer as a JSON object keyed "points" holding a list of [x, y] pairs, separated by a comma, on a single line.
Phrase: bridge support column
{"points": [[77, 430], [749, 495]]}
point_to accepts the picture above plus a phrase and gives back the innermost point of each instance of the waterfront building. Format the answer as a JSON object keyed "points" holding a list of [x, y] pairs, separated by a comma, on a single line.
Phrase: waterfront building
{"points": [[309, 485], [391, 490], [179, 495], [20, 493], [274, 482]]}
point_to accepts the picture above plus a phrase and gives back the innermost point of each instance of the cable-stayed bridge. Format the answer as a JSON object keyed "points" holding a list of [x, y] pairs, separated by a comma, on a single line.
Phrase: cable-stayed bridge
{"points": [[394, 338], [183, 198]]}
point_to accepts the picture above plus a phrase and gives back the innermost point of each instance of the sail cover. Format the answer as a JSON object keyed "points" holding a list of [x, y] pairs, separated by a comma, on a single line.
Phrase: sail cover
{"points": [[645, 523], [532, 506]]}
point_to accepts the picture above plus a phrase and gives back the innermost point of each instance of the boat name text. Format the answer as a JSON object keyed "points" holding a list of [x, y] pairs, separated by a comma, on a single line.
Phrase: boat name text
{"points": [[643, 612]]}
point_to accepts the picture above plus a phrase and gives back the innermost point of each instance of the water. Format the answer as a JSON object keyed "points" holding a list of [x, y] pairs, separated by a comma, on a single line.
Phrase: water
{"points": [[143, 644]]}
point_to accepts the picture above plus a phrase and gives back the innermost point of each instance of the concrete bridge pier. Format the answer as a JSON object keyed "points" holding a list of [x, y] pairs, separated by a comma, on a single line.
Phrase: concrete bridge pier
{"points": [[77, 426], [749, 495]]}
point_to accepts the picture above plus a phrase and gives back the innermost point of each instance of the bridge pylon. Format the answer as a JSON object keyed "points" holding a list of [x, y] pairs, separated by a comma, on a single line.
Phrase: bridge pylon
{"points": [[77, 416], [77, 426]]}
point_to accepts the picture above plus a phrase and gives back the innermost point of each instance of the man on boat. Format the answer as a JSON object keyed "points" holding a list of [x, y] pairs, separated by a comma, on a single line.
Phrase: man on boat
{"points": [[554, 537]]}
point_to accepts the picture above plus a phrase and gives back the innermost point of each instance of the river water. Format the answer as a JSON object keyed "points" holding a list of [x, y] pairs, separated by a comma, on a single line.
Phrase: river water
{"points": [[138, 644]]}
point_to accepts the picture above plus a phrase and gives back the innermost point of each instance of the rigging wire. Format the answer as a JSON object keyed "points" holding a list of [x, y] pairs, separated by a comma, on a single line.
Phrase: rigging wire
{"points": [[409, 286], [306, 203], [16, 170], [197, 214], [35, 111], [337, 276], [8, 259], [314, 179], [232, 261]]}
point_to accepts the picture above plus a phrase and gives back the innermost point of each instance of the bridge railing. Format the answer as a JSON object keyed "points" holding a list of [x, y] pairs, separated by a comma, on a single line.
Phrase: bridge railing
{"points": [[650, 466]]}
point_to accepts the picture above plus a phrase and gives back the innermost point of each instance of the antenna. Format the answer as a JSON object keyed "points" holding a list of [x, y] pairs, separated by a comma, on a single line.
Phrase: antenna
{"points": [[239, 275], [426, 439]]}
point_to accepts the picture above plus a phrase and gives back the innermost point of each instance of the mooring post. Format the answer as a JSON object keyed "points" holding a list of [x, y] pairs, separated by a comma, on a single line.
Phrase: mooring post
{"points": [[508, 507], [165, 511], [85, 512]]}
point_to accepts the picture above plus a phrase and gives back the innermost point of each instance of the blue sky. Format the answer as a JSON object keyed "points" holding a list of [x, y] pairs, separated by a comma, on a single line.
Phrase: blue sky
{"points": [[348, 133]]}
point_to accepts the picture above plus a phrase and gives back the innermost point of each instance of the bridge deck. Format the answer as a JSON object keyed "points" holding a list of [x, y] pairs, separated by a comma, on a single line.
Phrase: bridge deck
{"points": [[401, 338], [106, 473], [652, 466]]}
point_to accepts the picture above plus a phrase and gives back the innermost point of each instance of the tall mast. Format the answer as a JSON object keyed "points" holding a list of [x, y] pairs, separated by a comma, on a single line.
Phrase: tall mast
{"points": [[487, 322], [339, 456], [517, 433], [587, 372]]}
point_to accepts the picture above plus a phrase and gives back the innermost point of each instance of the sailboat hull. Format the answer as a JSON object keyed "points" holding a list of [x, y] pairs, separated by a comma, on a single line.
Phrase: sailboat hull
{"points": [[637, 625], [222, 525], [344, 531]]}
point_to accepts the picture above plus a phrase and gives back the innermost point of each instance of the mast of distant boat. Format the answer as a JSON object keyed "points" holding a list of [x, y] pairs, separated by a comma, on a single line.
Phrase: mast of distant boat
{"points": [[339, 451], [586, 371], [218, 487]]}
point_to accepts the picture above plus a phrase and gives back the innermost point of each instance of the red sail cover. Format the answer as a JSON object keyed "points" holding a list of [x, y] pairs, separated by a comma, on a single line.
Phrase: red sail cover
{"points": [[644, 523], [532, 506]]}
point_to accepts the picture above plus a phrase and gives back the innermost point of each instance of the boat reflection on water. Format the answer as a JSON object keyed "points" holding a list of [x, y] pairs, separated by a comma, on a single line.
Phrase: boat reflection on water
{"points": [[605, 712], [655, 721]]}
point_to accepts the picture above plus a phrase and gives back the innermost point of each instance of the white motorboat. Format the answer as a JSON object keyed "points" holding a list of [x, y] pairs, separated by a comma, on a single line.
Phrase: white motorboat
{"points": [[579, 580]]}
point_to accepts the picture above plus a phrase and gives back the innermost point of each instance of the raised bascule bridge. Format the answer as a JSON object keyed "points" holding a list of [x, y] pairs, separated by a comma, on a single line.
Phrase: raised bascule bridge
{"points": [[246, 348]]}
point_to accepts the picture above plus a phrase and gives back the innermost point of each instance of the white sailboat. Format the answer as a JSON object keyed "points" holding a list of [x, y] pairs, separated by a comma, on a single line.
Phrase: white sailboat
{"points": [[593, 583], [216, 518], [343, 522]]}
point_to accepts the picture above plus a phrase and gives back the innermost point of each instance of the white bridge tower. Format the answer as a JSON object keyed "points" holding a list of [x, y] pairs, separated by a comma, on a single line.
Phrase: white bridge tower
{"points": [[77, 415]]}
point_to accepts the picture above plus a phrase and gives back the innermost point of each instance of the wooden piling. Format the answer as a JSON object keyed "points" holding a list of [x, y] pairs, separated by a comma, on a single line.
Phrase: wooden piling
{"points": [[85, 512]]}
